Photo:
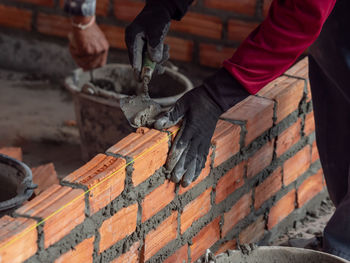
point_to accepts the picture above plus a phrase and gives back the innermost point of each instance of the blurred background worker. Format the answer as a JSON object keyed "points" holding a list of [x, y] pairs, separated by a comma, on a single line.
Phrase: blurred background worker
{"points": [[290, 27]]}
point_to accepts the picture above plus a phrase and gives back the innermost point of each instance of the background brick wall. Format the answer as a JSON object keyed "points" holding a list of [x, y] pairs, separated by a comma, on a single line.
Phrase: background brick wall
{"points": [[262, 175], [207, 35]]}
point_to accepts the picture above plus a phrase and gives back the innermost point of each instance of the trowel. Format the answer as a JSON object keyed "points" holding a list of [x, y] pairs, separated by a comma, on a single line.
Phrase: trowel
{"points": [[141, 110]]}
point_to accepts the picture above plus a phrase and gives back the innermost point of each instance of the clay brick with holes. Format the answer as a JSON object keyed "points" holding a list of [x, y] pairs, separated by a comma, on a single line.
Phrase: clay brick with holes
{"points": [[314, 152], [268, 188], [142, 148], [288, 138], [158, 199], [205, 239], [238, 30], [161, 236], [180, 256], [53, 25], [64, 206], [104, 175], [309, 124], [130, 256], [238, 211], [226, 140], [120, 225], [281, 209], [23, 17], [44, 176], [310, 188], [204, 173], [230, 182], [17, 235], [229, 245], [180, 49], [242, 7], [114, 35], [254, 232], [214, 55], [127, 10], [287, 92], [195, 210], [81, 253], [256, 112], [296, 165], [260, 160], [199, 25], [14, 152]]}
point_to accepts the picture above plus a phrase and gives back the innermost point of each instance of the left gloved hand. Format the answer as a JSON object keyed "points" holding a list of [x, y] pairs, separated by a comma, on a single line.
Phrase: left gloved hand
{"points": [[200, 110]]}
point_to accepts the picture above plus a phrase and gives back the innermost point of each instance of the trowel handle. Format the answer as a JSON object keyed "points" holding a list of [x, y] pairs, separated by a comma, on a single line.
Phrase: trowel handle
{"points": [[148, 67]]}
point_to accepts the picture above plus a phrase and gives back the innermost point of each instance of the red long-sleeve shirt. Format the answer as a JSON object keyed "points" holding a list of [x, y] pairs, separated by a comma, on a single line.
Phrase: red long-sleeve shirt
{"points": [[290, 27]]}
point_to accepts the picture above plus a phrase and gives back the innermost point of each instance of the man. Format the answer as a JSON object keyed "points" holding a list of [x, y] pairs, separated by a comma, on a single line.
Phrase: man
{"points": [[290, 28]]}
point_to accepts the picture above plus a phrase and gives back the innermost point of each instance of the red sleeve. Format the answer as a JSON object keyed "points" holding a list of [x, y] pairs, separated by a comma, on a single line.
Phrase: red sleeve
{"points": [[291, 27]]}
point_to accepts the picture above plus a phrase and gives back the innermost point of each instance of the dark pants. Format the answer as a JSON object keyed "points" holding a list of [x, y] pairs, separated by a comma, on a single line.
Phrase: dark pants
{"points": [[329, 66]]}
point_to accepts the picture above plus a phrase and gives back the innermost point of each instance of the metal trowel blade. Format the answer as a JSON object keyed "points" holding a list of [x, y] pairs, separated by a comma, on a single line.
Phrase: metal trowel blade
{"points": [[140, 110]]}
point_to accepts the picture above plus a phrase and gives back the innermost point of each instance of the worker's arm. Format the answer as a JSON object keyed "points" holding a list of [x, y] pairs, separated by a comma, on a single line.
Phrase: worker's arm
{"points": [[291, 26], [87, 43], [149, 29]]}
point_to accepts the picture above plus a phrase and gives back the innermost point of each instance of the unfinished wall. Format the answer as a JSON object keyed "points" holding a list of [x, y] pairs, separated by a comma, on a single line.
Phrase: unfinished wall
{"points": [[262, 174], [207, 35]]}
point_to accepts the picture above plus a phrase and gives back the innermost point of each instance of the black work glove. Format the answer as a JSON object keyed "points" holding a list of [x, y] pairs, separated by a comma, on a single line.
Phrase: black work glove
{"points": [[200, 110], [149, 29]]}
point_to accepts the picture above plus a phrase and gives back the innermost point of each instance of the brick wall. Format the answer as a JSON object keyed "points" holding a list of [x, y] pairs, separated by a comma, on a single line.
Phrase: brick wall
{"points": [[207, 35], [262, 174]]}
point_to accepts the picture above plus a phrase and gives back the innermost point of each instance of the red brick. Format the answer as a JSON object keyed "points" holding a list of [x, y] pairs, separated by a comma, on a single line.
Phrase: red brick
{"points": [[296, 165], [266, 7], [53, 25], [127, 10], [254, 232], [246, 7], [15, 17], [62, 206], [310, 188], [49, 3], [229, 245], [157, 200], [180, 49], [214, 55], [314, 152], [131, 256], [260, 160], [180, 256], [281, 209], [226, 139], [161, 236], [239, 211], [44, 176], [120, 225], [205, 172], [143, 148], [256, 112], [238, 30], [104, 176], [309, 124], [230, 182], [81, 253], [269, 187], [14, 152], [18, 239], [287, 92], [114, 35], [195, 210], [199, 25], [288, 138]]}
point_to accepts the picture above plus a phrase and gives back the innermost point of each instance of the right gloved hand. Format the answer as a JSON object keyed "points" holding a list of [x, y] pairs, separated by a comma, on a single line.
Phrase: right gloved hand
{"points": [[147, 33]]}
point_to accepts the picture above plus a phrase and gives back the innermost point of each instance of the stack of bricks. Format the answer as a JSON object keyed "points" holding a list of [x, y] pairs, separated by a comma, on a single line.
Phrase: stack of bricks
{"points": [[207, 35], [262, 174]]}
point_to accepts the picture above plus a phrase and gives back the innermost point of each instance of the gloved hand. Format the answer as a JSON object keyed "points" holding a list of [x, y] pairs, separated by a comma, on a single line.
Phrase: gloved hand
{"points": [[147, 33], [88, 47], [200, 110]]}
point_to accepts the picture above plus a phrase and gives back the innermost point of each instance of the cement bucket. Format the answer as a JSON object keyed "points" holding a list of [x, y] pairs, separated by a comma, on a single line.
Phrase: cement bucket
{"points": [[16, 185], [278, 255], [100, 119]]}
